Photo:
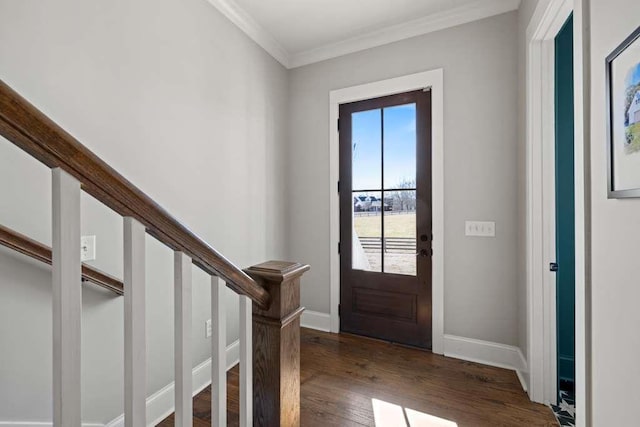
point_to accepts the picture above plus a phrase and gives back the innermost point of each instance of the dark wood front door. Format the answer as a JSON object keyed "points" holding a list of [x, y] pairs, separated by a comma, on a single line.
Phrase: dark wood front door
{"points": [[385, 218]]}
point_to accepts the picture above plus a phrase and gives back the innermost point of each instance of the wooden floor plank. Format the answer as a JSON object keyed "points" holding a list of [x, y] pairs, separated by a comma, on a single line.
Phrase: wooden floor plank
{"points": [[342, 374]]}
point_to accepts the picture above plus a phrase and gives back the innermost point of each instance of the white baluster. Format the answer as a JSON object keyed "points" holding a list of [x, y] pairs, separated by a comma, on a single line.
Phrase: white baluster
{"points": [[135, 348], [182, 343], [246, 363], [218, 354], [67, 300]]}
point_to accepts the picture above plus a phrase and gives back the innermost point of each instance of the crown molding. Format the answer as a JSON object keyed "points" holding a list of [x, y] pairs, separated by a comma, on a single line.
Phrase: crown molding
{"points": [[251, 28], [439, 21], [480, 9]]}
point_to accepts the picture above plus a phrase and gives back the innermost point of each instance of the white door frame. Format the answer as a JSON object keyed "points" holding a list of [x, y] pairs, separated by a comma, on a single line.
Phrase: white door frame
{"points": [[545, 24], [429, 79]]}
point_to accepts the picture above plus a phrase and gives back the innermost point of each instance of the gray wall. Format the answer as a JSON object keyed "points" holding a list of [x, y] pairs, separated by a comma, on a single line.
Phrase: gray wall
{"points": [[480, 64], [182, 103], [615, 243]]}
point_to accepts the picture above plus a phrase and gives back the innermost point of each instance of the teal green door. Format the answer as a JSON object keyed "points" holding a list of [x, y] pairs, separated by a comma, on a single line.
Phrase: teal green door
{"points": [[565, 206]]}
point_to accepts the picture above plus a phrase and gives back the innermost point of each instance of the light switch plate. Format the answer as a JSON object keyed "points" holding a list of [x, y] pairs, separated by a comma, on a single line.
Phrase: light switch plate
{"points": [[480, 228], [88, 248]]}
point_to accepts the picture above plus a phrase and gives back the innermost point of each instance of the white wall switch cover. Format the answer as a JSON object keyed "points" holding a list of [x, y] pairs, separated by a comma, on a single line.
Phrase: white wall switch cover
{"points": [[207, 329], [88, 248], [480, 228]]}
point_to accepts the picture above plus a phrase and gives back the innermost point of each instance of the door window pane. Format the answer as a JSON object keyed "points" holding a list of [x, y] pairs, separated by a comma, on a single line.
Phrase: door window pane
{"points": [[384, 222], [366, 143], [366, 250], [399, 245], [400, 146]]}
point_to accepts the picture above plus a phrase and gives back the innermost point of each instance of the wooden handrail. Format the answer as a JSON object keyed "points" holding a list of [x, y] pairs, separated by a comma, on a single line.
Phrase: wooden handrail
{"points": [[32, 131], [29, 247]]}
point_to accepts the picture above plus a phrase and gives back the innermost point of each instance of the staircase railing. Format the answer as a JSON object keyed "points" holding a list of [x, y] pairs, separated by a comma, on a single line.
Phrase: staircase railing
{"points": [[36, 250], [273, 334]]}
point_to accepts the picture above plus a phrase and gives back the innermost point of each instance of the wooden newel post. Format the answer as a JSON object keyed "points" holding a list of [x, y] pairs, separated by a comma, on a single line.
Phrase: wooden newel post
{"points": [[276, 345]]}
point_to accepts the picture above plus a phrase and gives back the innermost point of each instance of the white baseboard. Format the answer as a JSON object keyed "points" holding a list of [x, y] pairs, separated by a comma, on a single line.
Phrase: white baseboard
{"points": [[488, 353], [39, 424], [472, 350], [161, 404], [522, 377], [523, 373], [316, 320]]}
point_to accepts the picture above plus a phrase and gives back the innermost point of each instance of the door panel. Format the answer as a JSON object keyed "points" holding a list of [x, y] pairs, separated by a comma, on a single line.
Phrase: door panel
{"points": [[393, 305], [385, 218]]}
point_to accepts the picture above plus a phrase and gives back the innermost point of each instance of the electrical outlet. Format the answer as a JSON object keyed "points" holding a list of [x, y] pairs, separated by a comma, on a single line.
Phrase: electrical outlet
{"points": [[207, 329], [88, 248], [480, 228]]}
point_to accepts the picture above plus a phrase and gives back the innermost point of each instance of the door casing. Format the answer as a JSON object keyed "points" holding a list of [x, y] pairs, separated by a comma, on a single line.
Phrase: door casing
{"points": [[433, 79], [542, 29]]}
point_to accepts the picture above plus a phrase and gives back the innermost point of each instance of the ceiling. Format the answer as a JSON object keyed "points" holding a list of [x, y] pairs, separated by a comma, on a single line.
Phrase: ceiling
{"points": [[300, 32]]}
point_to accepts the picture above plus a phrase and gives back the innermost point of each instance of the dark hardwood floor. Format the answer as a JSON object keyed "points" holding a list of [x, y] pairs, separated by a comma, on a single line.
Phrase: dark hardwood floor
{"points": [[352, 381]]}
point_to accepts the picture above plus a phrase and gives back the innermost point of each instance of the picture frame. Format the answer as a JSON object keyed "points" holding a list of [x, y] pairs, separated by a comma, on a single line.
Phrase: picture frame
{"points": [[623, 119]]}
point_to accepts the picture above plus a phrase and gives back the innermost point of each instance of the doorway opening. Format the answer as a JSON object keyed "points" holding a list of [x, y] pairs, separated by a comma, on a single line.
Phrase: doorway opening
{"points": [[557, 78], [433, 80], [564, 266]]}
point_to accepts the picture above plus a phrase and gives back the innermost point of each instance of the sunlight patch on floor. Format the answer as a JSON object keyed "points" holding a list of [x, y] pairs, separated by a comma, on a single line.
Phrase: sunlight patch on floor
{"points": [[390, 415]]}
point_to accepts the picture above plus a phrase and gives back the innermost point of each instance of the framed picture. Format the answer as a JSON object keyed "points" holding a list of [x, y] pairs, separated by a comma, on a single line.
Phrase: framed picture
{"points": [[623, 99]]}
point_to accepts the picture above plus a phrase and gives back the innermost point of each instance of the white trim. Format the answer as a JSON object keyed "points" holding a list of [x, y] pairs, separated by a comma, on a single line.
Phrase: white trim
{"points": [[251, 28], [523, 374], [547, 20], [581, 85], [40, 424], [438, 21], [549, 209], [523, 377], [316, 320], [541, 323], [487, 353], [161, 404], [435, 80], [484, 352], [435, 22]]}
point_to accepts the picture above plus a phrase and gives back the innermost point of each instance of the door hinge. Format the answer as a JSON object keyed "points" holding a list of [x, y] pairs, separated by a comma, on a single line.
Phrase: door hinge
{"points": [[338, 247], [339, 309], [338, 125], [338, 186], [553, 266]]}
